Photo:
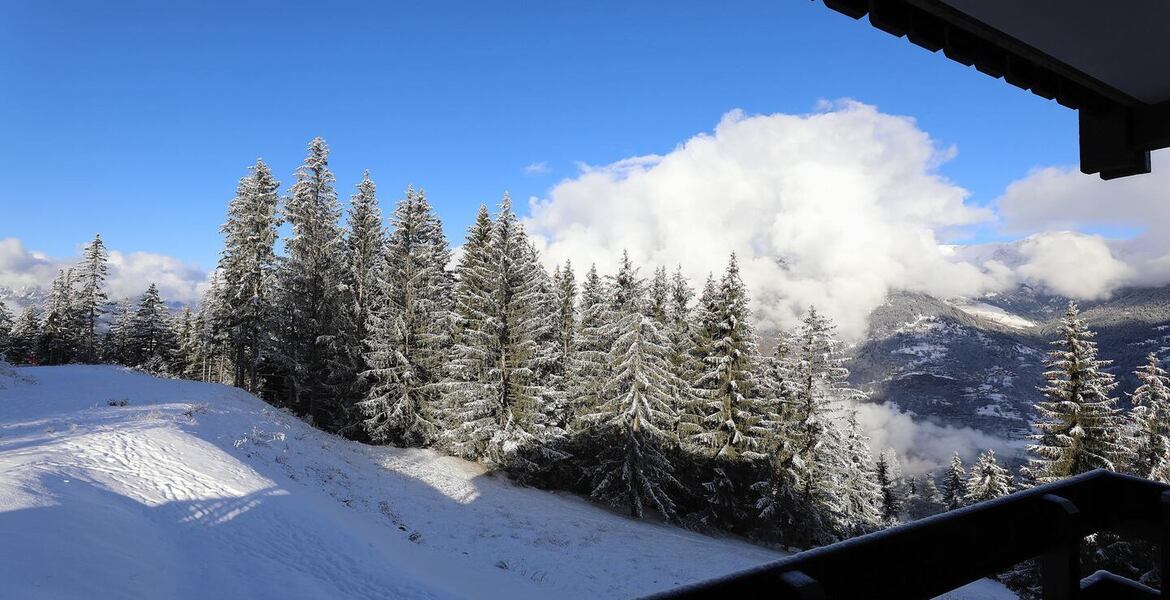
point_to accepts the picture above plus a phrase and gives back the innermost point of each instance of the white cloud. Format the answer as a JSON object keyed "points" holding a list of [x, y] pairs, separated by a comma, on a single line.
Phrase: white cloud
{"points": [[1072, 264], [20, 267], [1064, 199], [923, 446], [536, 168], [833, 208], [129, 273]]}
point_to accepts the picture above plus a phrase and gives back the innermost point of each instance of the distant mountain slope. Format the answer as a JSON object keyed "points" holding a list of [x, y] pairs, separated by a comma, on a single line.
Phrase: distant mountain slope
{"points": [[978, 362], [203, 491]]}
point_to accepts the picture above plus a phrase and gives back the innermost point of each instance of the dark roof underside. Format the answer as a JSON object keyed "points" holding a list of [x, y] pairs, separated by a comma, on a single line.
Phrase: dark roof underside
{"points": [[1109, 61]]}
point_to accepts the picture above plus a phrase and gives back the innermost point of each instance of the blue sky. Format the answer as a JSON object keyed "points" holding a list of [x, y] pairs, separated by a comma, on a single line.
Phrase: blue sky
{"points": [[135, 119]]}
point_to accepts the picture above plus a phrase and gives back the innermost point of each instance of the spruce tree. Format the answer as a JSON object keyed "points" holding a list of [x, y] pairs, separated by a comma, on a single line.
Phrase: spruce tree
{"points": [[215, 348], [60, 326], [658, 298], [684, 363], [316, 335], [727, 385], [632, 469], [591, 345], [1080, 428], [407, 342], [861, 498], [498, 404], [241, 311], [1150, 422], [926, 499], [6, 325], [988, 479], [889, 479], [152, 340], [22, 344], [819, 385], [954, 484], [565, 339], [91, 298], [116, 345], [468, 367], [366, 241], [186, 355]]}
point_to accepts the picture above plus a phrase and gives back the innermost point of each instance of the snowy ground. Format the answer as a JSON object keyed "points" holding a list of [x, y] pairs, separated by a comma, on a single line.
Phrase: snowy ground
{"points": [[202, 491]]}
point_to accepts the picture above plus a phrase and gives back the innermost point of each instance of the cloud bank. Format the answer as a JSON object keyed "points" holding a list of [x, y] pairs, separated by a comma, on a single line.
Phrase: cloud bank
{"points": [[129, 275], [1135, 209], [923, 446], [838, 207], [834, 208]]}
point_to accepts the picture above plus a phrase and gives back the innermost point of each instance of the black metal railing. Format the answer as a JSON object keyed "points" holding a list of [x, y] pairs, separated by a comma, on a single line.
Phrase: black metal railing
{"points": [[926, 558]]}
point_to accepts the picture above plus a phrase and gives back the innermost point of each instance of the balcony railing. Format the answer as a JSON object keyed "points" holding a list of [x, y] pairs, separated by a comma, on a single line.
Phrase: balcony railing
{"points": [[938, 554]]}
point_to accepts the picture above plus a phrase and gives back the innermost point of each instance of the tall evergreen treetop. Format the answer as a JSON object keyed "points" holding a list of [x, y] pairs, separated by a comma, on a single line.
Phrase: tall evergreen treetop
{"points": [[727, 385], [407, 342], [1079, 428], [889, 479], [988, 479], [22, 342], [498, 402], [954, 484], [6, 324], [247, 268], [152, 340], [91, 298], [590, 364], [60, 322], [365, 240], [633, 422], [317, 343], [1150, 422]]}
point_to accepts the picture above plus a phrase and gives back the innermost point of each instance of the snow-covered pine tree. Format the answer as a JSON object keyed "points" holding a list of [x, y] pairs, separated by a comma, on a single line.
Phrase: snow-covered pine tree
{"points": [[152, 341], [186, 354], [658, 298], [407, 342], [243, 311], [554, 405], [727, 386], [729, 426], [496, 401], [861, 498], [366, 241], [6, 324], [819, 386], [988, 479], [1079, 427], [591, 346], [22, 344], [684, 362], [91, 299], [116, 347], [467, 365], [316, 332], [926, 499], [631, 468], [889, 479], [60, 326], [565, 332], [1150, 422], [215, 347], [954, 484]]}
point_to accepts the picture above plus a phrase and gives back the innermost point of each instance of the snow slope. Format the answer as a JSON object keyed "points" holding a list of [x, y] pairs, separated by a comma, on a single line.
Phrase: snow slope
{"points": [[196, 490], [993, 313]]}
